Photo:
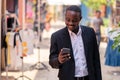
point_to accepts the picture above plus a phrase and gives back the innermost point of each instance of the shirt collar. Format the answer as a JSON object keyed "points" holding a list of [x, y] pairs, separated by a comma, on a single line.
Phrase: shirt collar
{"points": [[72, 33]]}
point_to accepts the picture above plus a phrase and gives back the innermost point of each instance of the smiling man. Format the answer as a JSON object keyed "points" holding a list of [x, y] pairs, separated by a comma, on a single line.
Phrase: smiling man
{"points": [[83, 61]]}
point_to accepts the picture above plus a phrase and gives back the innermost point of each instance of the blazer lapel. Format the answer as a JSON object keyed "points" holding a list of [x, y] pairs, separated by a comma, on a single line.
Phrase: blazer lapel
{"points": [[84, 37], [67, 41]]}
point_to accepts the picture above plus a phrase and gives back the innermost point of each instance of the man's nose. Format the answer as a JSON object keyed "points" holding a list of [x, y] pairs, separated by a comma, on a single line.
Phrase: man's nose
{"points": [[71, 23]]}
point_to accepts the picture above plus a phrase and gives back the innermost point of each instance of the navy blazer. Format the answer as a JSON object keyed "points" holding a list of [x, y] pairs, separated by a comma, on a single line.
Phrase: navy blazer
{"points": [[61, 39]]}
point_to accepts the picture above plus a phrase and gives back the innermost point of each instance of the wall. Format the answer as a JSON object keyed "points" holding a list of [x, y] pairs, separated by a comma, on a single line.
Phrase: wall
{"points": [[21, 11]]}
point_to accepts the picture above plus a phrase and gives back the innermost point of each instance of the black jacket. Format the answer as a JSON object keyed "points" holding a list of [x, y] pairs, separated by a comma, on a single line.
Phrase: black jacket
{"points": [[61, 39]]}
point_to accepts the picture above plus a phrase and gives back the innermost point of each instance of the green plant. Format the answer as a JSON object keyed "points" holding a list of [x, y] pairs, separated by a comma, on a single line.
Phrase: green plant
{"points": [[95, 4], [118, 24], [116, 43]]}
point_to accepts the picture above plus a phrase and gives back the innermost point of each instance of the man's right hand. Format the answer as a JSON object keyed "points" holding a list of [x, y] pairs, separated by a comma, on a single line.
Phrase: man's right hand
{"points": [[63, 57]]}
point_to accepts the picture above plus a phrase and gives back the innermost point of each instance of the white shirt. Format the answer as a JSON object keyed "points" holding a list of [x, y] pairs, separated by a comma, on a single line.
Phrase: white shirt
{"points": [[28, 37], [79, 54]]}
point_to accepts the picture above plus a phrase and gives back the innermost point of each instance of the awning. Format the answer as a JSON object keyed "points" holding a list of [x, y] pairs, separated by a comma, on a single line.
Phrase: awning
{"points": [[64, 2]]}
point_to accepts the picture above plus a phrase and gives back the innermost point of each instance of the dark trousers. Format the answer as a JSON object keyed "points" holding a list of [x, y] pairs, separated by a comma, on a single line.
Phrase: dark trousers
{"points": [[98, 36]]}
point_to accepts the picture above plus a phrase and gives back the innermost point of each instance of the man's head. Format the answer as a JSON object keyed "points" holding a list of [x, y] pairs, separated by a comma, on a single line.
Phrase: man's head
{"points": [[73, 17], [98, 13]]}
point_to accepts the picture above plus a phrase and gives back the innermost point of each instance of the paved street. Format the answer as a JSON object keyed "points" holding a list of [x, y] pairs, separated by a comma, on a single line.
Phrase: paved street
{"points": [[47, 73]]}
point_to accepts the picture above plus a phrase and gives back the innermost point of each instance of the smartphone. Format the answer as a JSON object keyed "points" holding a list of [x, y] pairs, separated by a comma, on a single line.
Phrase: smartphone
{"points": [[66, 51]]}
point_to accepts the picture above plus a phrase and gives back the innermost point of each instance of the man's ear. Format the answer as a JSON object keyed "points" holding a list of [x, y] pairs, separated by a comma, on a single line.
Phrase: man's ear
{"points": [[80, 17]]}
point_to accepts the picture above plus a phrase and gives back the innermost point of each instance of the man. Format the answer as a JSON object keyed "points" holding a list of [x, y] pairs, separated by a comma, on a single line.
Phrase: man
{"points": [[82, 63], [97, 22]]}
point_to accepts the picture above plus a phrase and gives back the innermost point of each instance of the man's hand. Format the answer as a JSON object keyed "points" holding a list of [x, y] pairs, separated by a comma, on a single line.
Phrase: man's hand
{"points": [[63, 57]]}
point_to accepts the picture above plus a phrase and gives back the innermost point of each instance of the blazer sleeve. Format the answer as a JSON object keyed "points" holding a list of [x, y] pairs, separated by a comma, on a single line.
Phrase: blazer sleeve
{"points": [[53, 57], [97, 64]]}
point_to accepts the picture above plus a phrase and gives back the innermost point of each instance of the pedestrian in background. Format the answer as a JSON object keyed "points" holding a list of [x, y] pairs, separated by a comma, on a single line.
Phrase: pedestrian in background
{"points": [[97, 23], [82, 62]]}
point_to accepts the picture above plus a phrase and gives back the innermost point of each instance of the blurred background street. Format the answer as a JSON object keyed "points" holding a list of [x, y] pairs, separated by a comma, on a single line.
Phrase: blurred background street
{"points": [[35, 21]]}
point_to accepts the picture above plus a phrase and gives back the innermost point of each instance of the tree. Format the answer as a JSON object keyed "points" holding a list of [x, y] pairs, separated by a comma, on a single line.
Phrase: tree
{"points": [[97, 4], [94, 4]]}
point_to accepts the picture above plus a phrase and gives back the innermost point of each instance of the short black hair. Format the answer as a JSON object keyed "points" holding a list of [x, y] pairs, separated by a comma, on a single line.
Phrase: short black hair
{"points": [[74, 8], [98, 11]]}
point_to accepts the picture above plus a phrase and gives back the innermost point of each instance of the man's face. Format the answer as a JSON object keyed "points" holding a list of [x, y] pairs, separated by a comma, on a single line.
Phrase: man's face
{"points": [[72, 19], [98, 14]]}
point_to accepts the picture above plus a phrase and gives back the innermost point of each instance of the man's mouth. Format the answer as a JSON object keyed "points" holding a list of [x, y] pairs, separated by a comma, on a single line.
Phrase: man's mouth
{"points": [[72, 26]]}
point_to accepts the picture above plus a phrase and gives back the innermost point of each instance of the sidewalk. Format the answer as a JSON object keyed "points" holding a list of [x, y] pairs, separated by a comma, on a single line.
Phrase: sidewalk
{"points": [[33, 73], [108, 73]]}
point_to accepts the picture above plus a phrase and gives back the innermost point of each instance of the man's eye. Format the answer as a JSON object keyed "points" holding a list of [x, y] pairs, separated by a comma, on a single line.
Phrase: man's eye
{"points": [[68, 19], [75, 20]]}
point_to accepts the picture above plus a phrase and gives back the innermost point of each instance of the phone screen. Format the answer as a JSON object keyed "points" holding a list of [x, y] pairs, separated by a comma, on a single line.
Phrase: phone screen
{"points": [[66, 51]]}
